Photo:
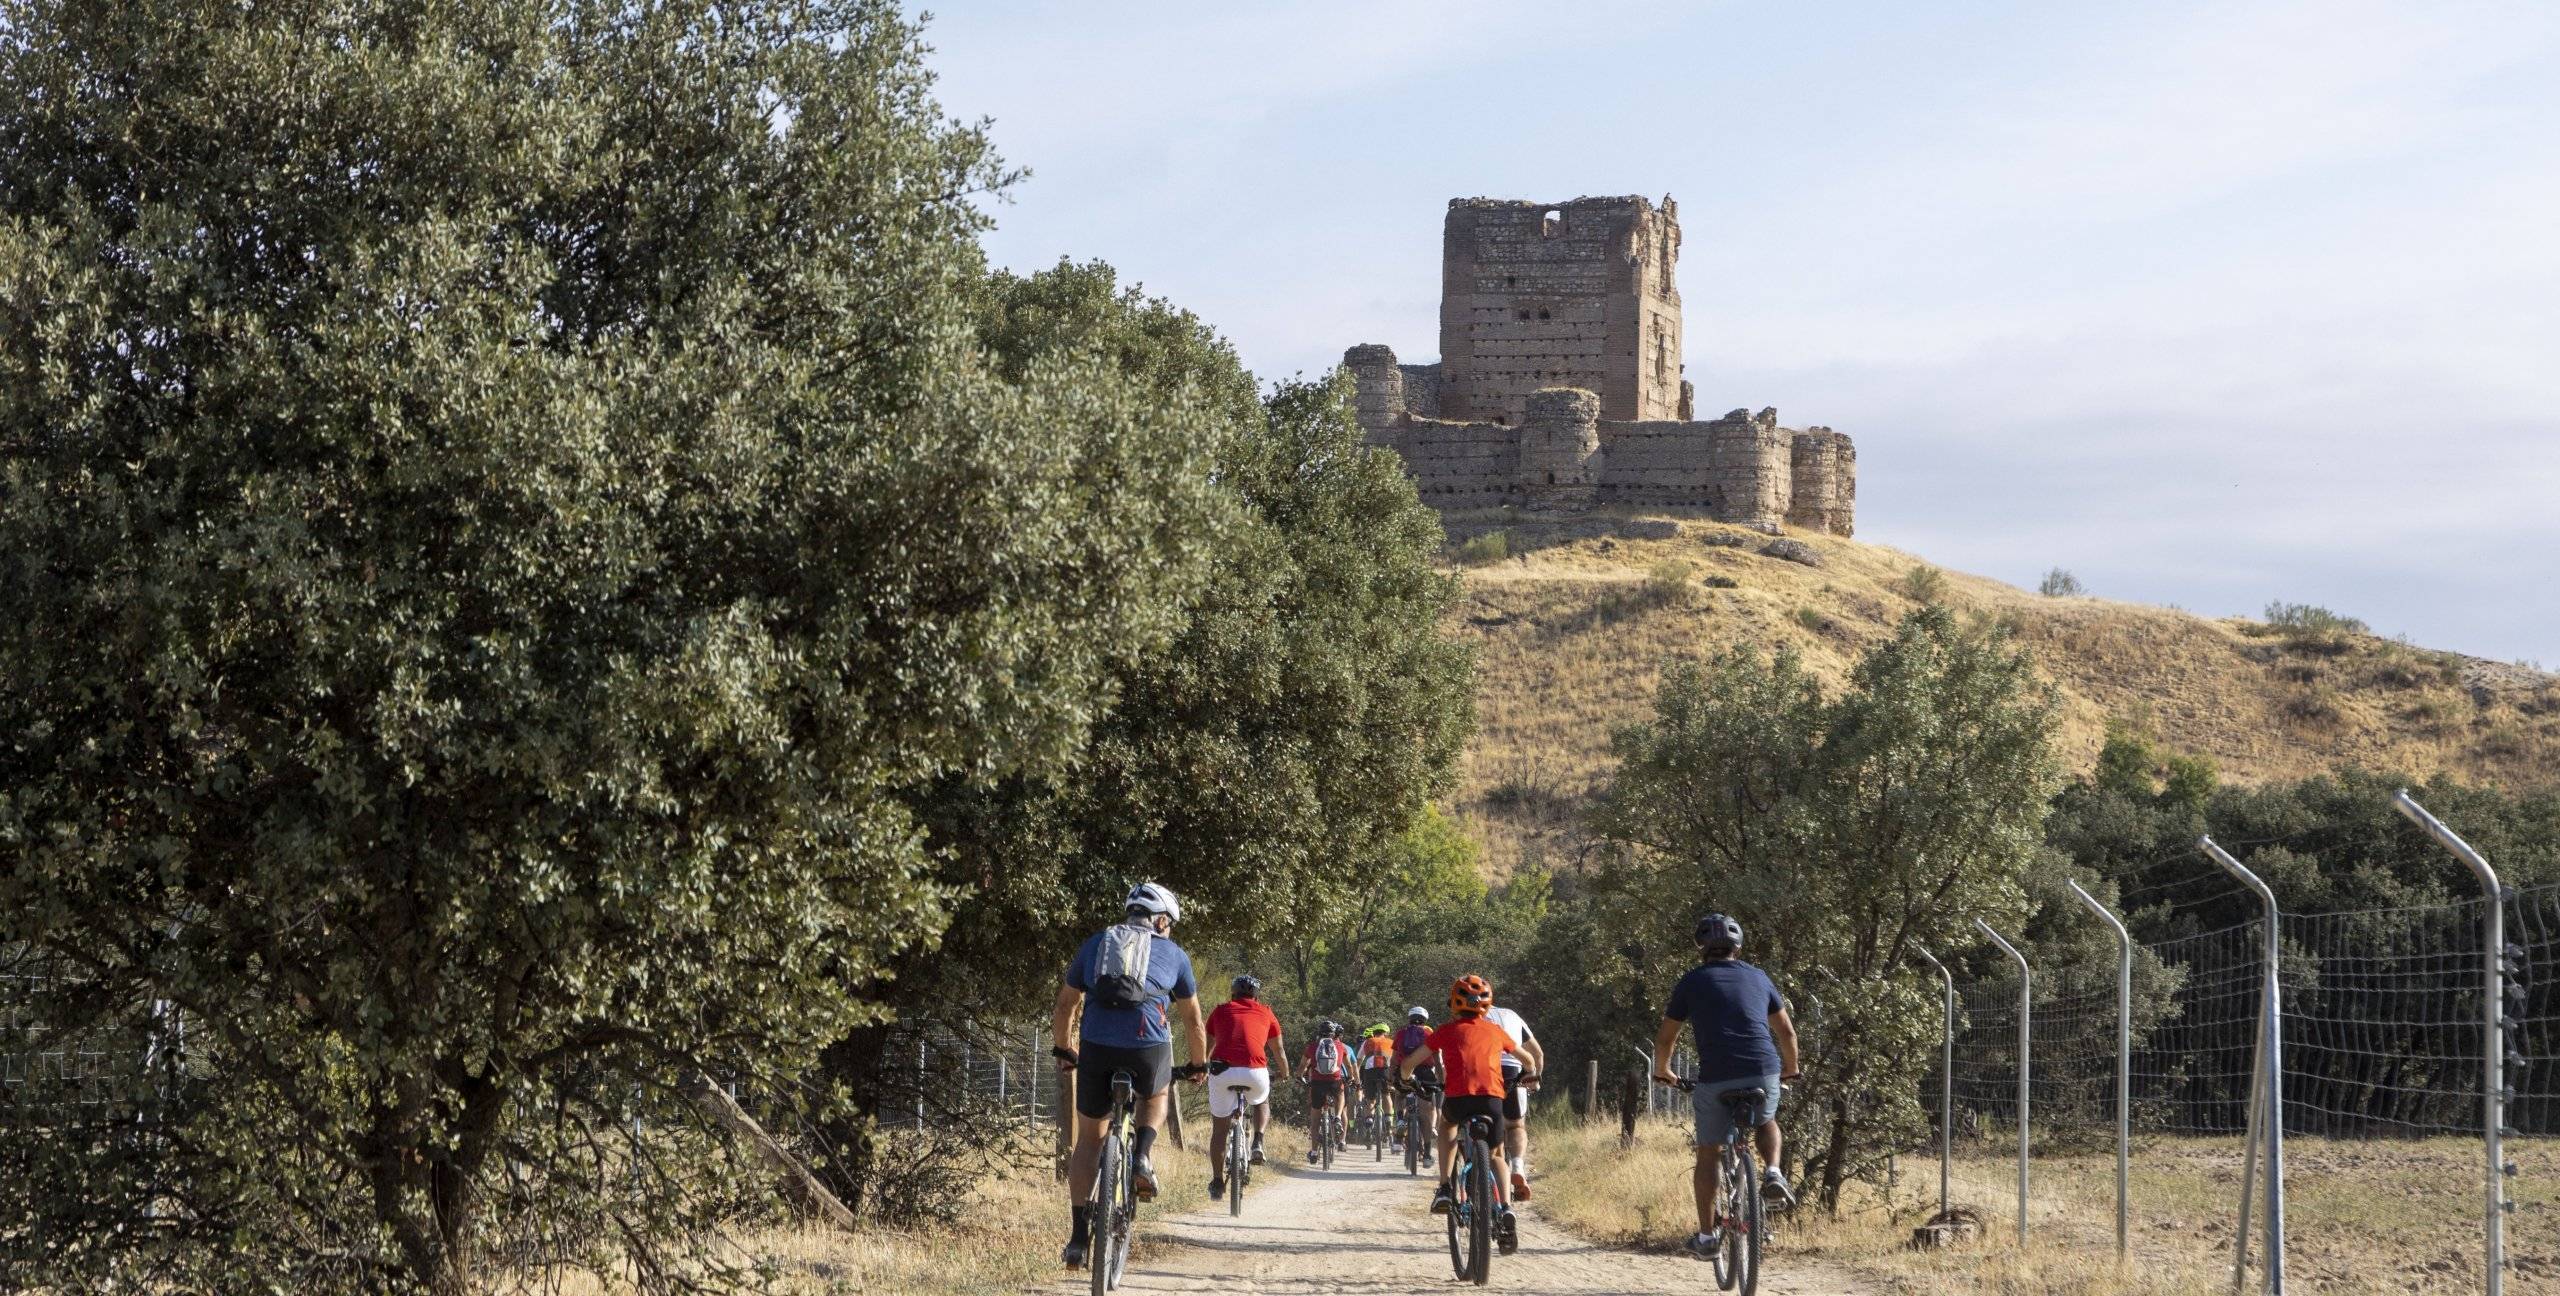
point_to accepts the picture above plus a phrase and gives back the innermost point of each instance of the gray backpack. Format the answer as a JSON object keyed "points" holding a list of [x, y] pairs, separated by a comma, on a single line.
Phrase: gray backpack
{"points": [[1120, 966]]}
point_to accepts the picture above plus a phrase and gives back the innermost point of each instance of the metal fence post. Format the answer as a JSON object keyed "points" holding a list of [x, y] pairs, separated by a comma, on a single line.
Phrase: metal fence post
{"points": [[2124, 1069], [2026, 1008], [1946, 1084], [2493, 1075], [2270, 1062]]}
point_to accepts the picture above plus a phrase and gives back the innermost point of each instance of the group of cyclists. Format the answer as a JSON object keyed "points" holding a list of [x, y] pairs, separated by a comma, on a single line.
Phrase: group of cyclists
{"points": [[1118, 1003]]}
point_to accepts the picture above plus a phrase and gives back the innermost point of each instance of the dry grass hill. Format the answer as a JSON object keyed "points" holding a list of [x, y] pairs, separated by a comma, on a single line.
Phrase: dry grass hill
{"points": [[1572, 619]]}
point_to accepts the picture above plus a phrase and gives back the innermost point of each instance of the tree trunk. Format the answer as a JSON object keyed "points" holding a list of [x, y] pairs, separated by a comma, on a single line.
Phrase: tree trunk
{"points": [[798, 1186]]}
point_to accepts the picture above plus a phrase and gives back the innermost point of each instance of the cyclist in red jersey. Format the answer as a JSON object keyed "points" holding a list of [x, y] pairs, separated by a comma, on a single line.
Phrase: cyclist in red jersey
{"points": [[1244, 1038], [1327, 1069]]}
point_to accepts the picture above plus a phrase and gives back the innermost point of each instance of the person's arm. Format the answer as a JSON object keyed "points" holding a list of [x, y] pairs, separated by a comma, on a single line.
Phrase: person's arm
{"points": [[1278, 1053], [1062, 1022], [1664, 1041], [1782, 1030], [1537, 1056], [1420, 1057], [1195, 1034]]}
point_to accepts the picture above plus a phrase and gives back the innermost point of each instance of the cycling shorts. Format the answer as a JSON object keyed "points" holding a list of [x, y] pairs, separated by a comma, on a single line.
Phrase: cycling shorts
{"points": [[1457, 1111], [1373, 1082], [1715, 1123], [1150, 1069], [1321, 1091], [1224, 1098], [1515, 1100]]}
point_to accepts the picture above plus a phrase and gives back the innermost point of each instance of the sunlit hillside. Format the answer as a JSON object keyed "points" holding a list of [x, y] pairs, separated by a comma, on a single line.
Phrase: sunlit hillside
{"points": [[1573, 621]]}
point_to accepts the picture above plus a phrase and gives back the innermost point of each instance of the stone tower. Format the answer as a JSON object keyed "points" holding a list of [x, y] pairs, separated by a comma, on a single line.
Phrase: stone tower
{"points": [[1578, 294]]}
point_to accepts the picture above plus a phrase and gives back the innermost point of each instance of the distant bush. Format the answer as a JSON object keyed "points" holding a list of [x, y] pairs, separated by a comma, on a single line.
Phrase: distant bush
{"points": [[2060, 584], [2311, 618], [1668, 582], [1721, 582], [1924, 584], [1813, 620], [2314, 706], [1491, 547]]}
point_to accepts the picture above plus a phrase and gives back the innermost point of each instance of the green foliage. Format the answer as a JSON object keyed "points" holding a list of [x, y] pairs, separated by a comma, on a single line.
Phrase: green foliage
{"points": [[1843, 832], [2058, 583], [1484, 550], [1924, 584], [1813, 619], [499, 499], [1258, 763]]}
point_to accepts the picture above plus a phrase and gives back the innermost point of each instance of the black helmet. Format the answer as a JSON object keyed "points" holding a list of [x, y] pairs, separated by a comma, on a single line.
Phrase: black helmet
{"points": [[1246, 986], [1328, 1027], [1717, 933]]}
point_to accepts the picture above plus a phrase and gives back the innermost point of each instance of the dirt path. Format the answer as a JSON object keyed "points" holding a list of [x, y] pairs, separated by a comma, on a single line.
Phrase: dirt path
{"points": [[1355, 1230]]}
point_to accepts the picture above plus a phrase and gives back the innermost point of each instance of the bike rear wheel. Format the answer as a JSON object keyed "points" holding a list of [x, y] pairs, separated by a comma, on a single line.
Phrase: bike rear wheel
{"points": [[1106, 1199], [1742, 1230], [1457, 1216], [1412, 1123], [1239, 1164], [1480, 1199]]}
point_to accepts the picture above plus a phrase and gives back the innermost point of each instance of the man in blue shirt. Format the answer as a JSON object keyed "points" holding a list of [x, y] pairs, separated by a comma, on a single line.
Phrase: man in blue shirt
{"points": [[1745, 1040], [1134, 1035]]}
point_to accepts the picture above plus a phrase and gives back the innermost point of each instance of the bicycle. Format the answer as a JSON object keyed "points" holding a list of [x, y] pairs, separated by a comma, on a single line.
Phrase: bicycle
{"points": [[1740, 1211], [1416, 1132], [1239, 1154], [1476, 1200], [1377, 1123], [1115, 1189], [1331, 1134]]}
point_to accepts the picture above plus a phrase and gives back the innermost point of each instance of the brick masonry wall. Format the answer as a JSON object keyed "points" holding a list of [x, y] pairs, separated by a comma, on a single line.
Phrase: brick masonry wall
{"points": [[1577, 294]]}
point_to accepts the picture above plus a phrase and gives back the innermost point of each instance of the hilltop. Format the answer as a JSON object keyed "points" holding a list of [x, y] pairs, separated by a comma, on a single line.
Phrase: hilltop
{"points": [[1572, 623]]}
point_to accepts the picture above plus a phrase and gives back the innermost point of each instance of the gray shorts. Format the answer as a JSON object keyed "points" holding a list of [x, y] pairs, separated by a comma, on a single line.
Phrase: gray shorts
{"points": [[1715, 1121]]}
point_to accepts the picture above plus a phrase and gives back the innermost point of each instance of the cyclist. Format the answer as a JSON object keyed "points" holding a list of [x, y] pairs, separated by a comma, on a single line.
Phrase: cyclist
{"points": [[1745, 1040], [1470, 1051], [1126, 979], [1241, 1032], [1327, 1064], [1417, 1026], [1515, 1101], [1377, 1062]]}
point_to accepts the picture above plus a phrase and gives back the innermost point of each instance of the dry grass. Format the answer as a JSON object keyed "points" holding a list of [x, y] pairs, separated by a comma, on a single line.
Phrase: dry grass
{"points": [[1008, 1243], [2362, 1217], [1571, 645]]}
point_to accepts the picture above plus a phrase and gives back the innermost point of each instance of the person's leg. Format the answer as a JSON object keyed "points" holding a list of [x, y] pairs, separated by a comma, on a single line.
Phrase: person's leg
{"points": [[1704, 1179], [1770, 1144], [1082, 1162], [1218, 1133], [1446, 1138]]}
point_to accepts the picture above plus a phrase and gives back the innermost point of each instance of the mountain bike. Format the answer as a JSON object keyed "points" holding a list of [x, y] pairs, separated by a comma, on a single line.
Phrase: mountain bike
{"points": [[1115, 1189], [1740, 1211], [1239, 1146], [1412, 1120], [1332, 1132], [1477, 1201], [1377, 1123]]}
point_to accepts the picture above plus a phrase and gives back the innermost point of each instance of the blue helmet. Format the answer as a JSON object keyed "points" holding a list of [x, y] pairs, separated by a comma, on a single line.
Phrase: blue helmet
{"points": [[1718, 934]]}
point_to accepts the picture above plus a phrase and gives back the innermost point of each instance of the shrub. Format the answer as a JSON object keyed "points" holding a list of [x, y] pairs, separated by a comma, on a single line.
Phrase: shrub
{"points": [[1813, 620], [1668, 582], [1721, 582], [2060, 584], [1924, 584], [2312, 618], [1482, 550]]}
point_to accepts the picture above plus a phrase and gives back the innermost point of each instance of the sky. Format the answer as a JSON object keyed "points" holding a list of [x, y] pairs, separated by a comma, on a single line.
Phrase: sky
{"points": [[2210, 304]]}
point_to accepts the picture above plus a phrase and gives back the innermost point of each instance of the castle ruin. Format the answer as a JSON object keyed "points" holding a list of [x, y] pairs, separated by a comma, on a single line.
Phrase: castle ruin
{"points": [[1559, 383]]}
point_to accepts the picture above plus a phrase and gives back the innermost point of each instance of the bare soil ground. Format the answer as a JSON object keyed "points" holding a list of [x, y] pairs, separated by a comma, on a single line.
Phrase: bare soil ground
{"points": [[1357, 1229]]}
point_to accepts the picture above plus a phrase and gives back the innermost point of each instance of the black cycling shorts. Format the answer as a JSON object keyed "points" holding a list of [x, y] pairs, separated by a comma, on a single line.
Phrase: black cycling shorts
{"points": [[1322, 1091], [1455, 1112], [1150, 1069], [1427, 1074], [1373, 1082], [1515, 1100]]}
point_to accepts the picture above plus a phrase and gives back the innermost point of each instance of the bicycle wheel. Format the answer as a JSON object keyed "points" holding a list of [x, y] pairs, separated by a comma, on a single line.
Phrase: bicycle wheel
{"points": [[1124, 1221], [1239, 1162], [1457, 1216], [1412, 1140], [1745, 1248], [1728, 1265], [1480, 1196], [1378, 1130], [1331, 1123], [1106, 1197]]}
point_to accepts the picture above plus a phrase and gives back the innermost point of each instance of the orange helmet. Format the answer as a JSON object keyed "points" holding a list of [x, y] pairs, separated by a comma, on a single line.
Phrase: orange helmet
{"points": [[1470, 995]]}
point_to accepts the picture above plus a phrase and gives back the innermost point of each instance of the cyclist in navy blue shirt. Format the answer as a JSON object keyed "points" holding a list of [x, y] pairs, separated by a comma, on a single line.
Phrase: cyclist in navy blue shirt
{"points": [[1136, 1039], [1739, 1023]]}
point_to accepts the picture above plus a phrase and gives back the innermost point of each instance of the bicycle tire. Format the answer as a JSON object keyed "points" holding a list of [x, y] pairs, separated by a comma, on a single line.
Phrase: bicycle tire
{"points": [[1457, 1216], [1124, 1224], [1412, 1140], [1728, 1262], [1106, 1189], [1378, 1131], [1324, 1135], [1743, 1232], [1480, 1219], [1239, 1164]]}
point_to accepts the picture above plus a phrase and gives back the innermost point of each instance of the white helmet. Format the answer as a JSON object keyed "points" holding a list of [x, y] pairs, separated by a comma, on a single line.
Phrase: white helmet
{"points": [[1147, 897], [1417, 1013]]}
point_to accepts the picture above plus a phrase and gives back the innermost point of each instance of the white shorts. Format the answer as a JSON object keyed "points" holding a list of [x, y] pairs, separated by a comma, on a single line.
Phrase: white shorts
{"points": [[1224, 1098]]}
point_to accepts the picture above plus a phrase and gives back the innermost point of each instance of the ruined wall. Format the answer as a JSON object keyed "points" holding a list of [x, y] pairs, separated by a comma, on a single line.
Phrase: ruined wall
{"points": [[1421, 389], [1459, 465], [1750, 462], [1578, 294], [1377, 399], [1560, 447], [1824, 469]]}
